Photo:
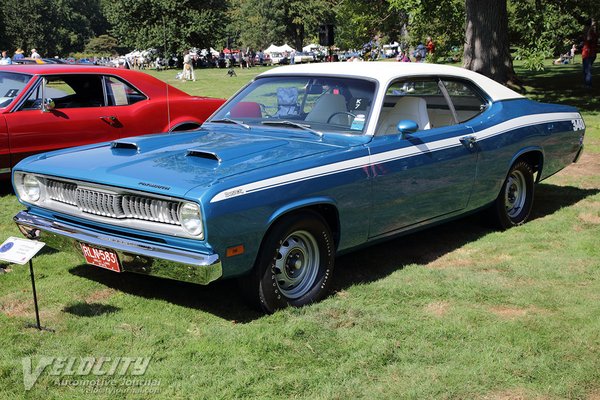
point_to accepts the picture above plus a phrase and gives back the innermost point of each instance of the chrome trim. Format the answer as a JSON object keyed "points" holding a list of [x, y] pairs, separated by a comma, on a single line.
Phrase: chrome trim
{"points": [[134, 255], [203, 153], [94, 202], [122, 144], [5, 170]]}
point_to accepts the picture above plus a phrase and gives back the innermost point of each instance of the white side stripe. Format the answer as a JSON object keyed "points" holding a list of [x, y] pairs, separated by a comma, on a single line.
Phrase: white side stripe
{"points": [[392, 155]]}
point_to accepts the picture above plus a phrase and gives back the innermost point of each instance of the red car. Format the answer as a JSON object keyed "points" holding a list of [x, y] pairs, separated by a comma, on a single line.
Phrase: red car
{"points": [[46, 107]]}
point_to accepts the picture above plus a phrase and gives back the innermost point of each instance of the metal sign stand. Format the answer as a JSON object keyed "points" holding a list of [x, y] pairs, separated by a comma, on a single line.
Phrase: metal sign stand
{"points": [[20, 251], [37, 325]]}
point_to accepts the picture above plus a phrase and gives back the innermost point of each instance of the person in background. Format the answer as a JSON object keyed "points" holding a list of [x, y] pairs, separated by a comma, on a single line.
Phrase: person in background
{"points": [[5, 60], [35, 55], [430, 45], [188, 68], [572, 53], [403, 57], [588, 51], [18, 54]]}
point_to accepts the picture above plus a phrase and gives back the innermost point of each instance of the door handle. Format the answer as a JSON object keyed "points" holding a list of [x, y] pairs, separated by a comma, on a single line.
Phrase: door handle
{"points": [[468, 141], [110, 119]]}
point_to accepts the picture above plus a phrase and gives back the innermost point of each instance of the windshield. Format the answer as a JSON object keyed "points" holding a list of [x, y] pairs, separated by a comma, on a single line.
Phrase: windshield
{"points": [[11, 85], [315, 104]]}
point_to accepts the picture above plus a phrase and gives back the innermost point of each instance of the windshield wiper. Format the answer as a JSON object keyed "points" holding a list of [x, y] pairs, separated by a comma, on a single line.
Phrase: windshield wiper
{"points": [[296, 125], [230, 121]]}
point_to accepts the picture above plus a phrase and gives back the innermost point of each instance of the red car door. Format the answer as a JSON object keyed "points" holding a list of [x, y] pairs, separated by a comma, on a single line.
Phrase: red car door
{"points": [[130, 112], [79, 116]]}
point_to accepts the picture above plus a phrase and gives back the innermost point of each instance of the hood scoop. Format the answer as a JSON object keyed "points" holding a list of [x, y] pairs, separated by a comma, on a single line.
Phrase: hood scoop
{"points": [[125, 145], [208, 155]]}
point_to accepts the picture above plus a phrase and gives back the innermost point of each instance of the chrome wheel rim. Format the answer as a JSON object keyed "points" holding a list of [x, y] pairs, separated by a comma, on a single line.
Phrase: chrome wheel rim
{"points": [[297, 264], [515, 194]]}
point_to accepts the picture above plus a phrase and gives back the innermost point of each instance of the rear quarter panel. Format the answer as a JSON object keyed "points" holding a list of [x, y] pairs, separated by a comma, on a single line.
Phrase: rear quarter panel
{"points": [[511, 128], [192, 109]]}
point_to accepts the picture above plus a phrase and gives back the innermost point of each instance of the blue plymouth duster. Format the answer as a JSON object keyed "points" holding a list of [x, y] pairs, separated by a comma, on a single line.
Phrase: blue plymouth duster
{"points": [[303, 163]]}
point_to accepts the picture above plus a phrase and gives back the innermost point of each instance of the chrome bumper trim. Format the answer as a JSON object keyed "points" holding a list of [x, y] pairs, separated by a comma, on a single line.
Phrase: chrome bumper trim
{"points": [[134, 256]]}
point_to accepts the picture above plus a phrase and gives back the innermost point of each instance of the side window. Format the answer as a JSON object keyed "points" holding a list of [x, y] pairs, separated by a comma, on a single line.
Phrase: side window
{"points": [[119, 93], [467, 102], [56, 89], [68, 91], [418, 100]]}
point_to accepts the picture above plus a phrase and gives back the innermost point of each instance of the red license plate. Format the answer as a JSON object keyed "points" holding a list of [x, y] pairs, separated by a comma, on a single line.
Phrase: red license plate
{"points": [[101, 258]]}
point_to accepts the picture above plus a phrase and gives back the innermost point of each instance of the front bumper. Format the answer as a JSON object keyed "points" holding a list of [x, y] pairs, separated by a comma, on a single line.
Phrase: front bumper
{"points": [[134, 256]]}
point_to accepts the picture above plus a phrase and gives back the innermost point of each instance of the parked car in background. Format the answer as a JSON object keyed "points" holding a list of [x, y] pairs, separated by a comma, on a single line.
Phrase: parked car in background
{"points": [[306, 162], [279, 59], [28, 61], [266, 60], [52, 106], [54, 61], [302, 57]]}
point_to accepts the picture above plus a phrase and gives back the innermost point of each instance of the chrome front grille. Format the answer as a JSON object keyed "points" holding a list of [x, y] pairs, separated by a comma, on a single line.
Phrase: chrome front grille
{"points": [[114, 205]]}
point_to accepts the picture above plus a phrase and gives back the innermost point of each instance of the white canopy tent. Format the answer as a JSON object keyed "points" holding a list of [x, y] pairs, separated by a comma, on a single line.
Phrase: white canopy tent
{"points": [[279, 49]]}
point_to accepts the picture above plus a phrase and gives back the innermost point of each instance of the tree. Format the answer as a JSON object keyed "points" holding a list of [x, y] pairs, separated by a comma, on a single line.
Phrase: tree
{"points": [[258, 23], [169, 25], [359, 22], [53, 27], [103, 45], [487, 48]]}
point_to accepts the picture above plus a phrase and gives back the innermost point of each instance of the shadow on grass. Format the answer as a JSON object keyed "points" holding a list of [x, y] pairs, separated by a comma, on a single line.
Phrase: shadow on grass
{"points": [[6, 188], [563, 84], [222, 298], [83, 309]]}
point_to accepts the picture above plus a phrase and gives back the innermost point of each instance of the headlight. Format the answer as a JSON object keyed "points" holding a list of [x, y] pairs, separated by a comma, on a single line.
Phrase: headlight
{"points": [[29, 188], [191, 218]]}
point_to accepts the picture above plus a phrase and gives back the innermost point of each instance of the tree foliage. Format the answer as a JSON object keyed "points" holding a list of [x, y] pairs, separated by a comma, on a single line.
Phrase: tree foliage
{"points": [[103, 45], [537, 28], [52, 27], [443, 21], [258, 23], [168, 25], [542, 29]]}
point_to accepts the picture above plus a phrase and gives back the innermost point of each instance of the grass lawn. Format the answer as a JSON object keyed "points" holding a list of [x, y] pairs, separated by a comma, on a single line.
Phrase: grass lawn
{"points": [[454, 312]]}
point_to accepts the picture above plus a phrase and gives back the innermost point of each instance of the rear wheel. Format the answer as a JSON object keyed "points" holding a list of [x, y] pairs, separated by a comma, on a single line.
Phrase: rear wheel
{"points": [[295, 264], [513, 204]]}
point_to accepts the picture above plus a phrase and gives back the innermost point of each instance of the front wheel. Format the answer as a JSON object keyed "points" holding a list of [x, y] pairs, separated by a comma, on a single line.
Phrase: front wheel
{"points": [[514, 203], [294, 265]]}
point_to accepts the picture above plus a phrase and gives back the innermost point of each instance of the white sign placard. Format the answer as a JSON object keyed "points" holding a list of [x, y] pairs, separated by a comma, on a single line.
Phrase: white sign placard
{"points": [[18, 250]]}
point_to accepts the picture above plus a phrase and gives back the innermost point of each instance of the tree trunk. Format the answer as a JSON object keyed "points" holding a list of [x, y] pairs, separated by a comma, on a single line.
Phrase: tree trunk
{"points": [[486, 40]]}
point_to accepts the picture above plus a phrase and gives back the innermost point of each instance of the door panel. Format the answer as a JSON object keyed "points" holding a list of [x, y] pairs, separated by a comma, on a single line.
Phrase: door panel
{"points": [[34, 131], [427, 175]]}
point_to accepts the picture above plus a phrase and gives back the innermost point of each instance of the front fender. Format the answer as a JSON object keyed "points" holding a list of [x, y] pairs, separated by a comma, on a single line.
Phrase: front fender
{"points": [[297, 205]]}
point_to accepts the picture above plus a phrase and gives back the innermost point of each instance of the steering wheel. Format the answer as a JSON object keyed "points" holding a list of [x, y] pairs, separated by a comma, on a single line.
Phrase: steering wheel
{"points": [[340, 112], [263, 109]]}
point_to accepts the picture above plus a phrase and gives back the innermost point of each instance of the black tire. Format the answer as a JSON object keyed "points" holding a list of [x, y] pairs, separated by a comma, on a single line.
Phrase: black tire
{"points": [[513, 205], [294, 265]]}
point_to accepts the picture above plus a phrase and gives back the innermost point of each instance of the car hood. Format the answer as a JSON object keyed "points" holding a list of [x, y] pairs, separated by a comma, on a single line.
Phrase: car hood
{"points": [[173, 164]]}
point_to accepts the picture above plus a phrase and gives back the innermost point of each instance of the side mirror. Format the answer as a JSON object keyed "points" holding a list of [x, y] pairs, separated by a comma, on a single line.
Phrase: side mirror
{"points": [[407, 127], [48, 105]]}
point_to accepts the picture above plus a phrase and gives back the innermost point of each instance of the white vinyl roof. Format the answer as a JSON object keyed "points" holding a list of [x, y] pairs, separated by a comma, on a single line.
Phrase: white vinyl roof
{"points": [[385, 72]]}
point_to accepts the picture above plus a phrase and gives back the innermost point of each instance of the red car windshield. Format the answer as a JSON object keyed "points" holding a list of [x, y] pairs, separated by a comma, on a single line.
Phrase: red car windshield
{"points": [[11, 85]]}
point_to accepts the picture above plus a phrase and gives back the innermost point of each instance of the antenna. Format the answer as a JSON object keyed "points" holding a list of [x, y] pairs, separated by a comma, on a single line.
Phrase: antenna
{"points": [[168, 108], [166, 84]]}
